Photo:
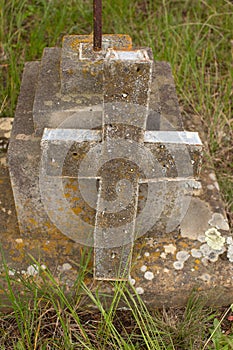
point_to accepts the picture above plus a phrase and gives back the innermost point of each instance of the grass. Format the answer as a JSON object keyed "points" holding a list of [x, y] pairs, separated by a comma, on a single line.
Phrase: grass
{"points": [[45, 315], [195, 36]]}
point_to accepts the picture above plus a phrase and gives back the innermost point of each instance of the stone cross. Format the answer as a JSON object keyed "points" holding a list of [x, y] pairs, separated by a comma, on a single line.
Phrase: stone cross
{"points": [[133, 176]]}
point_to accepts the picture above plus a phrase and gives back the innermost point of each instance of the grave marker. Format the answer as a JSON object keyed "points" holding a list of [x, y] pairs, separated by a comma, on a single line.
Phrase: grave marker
{"points": [[158, 165], [99, 157]]}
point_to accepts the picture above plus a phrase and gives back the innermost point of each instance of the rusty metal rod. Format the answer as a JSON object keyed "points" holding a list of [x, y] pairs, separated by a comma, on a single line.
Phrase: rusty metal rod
{"points": [[97, 10]]}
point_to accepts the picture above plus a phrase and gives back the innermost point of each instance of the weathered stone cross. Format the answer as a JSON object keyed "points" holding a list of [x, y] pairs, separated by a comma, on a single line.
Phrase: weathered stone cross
{"points": [[133, 167]]}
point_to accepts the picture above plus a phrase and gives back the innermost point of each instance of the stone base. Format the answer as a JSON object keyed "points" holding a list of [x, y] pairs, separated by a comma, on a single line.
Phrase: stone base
{"points": [[153, 273]]}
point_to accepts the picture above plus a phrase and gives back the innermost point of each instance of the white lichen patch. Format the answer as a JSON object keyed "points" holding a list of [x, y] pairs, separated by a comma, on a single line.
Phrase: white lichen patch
{"points": [[196, 185], [178, 265], [131, 281], [143, 268], [219, 222], [205, 249], [214, 239], [170, 249], [201, 238], [66, 267], [149, 275], [229, 240], [182, 255], [196, 253], [230, 252], [205, 277], [205, 261], [32, 270], [213, 257], [209, 254], [139, 290], [163, 255]]}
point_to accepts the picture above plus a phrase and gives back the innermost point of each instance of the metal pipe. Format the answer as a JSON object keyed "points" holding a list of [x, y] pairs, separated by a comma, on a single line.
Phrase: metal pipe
{"points": [[97, 10]]}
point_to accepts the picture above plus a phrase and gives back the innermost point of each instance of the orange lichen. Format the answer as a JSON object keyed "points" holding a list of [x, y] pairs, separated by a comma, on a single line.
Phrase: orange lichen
{"points": [[76, 40], [184, 244], [77, 210], [19, 245], [71, 186], [33, 222], [50, 248], [155, 255], [74, 44], [70, 71]]}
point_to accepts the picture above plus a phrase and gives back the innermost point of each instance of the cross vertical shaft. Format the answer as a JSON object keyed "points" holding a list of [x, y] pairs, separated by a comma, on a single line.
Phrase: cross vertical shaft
{"points": [[127, 76]]}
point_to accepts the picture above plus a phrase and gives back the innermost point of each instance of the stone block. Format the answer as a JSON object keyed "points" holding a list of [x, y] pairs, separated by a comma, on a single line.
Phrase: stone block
{"points": [[81, 67]]}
